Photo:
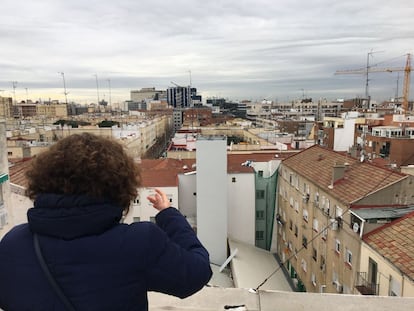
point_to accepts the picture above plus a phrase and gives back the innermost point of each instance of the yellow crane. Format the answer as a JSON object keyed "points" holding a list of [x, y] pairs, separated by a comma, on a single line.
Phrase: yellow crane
{"points": [[371, 69]]}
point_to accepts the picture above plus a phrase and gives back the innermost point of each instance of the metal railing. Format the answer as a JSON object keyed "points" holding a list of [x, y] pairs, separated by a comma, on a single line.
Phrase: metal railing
{"points": [[364, 286]]}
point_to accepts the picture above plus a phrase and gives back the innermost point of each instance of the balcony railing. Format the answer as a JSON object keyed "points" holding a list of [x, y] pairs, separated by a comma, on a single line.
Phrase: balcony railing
{"points": [[364, 286]]}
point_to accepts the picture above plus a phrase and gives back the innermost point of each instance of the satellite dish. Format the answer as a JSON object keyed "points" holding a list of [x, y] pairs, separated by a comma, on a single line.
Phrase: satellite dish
{"points": [[355, 227]]}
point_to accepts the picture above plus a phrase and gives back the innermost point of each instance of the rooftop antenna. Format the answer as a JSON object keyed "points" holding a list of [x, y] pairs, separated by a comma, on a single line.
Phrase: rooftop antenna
{"points": [[64, 87], [109, 85], [97, 86], [14, 83]]}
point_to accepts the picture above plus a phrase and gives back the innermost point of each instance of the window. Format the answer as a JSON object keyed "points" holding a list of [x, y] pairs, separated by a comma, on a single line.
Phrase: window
{"points": [[290, 224], [297, 182], [339, 212], [337, 246], [296, 230], [152, 219], [317, 199], [304, 241], [233, 179], [327, 207], [291, 201], [136, 219], [324, 234], [314, 254], [394, 287], [297, 206], [348, 257], [323, 264], [259, 235], [305, 215], [315, 225], [304, 265], [313, 279], [260, 173], [259, 215], [260, 194]]}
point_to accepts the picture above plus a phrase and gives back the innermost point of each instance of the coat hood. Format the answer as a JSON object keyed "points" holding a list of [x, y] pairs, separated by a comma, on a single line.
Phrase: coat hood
{"points": [[72, 216]]}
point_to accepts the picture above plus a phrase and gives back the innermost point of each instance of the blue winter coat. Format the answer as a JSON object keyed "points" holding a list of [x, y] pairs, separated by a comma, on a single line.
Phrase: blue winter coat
{"points": [[99, 263]]}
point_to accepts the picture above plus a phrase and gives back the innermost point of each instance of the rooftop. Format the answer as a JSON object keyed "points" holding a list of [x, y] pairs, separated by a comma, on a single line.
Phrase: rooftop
{"points": [[360, 179], [161, 172], [395, 241], [17, 172], [384, 212]]}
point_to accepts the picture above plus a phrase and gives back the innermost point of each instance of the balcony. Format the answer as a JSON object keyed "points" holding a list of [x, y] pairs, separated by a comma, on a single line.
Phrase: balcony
{"points": [[364, 286]]}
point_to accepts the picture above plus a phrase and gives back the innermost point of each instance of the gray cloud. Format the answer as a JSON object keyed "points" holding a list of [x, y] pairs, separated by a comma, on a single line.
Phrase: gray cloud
{"points": [[239, 49]]}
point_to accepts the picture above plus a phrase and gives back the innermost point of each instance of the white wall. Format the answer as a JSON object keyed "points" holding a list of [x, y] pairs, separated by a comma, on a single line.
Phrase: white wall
{"points": [[20, 204], [344, 137], [187, 197], [241, 207], [142, 207], [212, 199]]}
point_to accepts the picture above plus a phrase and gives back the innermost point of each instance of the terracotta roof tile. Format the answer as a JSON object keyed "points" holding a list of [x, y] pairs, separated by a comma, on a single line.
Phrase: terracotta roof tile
{"points": [[17, 172], [316, 164], [395, 242]]}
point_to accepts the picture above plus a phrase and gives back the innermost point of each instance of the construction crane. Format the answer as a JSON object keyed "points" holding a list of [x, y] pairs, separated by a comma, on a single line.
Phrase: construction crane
{"points": [[406, 70]]}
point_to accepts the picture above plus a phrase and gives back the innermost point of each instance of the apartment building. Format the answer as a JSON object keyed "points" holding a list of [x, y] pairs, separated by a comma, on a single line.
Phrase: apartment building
{"points": [[387, 256], [197, 116], [146, 93], [338, 133], [5, 212], [307, 109], [317, 188], [50, 110], [6, 107], [182, 96], [390, 138]]}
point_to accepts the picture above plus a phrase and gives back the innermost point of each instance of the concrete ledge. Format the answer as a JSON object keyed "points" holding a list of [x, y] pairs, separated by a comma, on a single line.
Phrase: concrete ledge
{"points": [[215, 298]]}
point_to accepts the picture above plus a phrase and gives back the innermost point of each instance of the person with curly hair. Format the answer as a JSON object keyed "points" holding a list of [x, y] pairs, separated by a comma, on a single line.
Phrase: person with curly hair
{"points": [[75, 254]]}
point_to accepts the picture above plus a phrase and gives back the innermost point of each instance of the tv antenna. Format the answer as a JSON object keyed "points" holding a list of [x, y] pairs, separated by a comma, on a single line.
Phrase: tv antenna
{"points": [[64, 87]]}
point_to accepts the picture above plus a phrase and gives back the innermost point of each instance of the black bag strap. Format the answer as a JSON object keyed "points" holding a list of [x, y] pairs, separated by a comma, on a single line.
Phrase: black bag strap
{"points": [[49, 276]]}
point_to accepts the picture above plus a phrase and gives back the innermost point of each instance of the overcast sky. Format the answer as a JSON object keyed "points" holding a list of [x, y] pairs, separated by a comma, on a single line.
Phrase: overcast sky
{"points": [[246, 49]]}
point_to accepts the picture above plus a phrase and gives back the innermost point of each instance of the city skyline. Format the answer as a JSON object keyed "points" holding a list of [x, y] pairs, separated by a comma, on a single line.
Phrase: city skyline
{"points": [[254, 50]]}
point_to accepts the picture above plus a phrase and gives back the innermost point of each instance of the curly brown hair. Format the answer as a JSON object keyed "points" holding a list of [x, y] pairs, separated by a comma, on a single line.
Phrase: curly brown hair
{"points": [[86, 164]]}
